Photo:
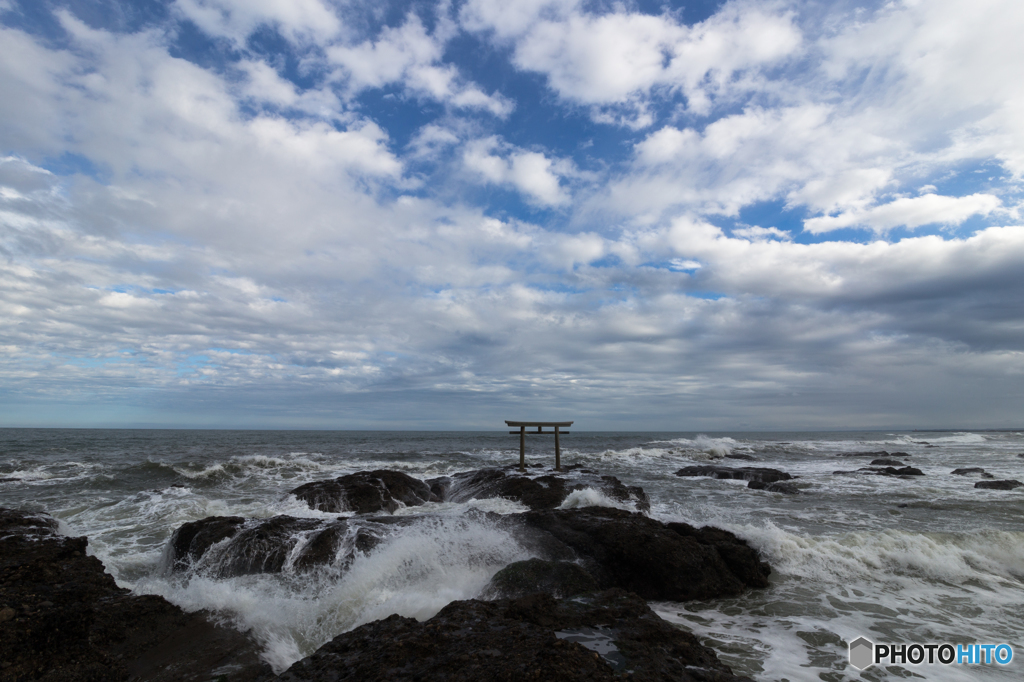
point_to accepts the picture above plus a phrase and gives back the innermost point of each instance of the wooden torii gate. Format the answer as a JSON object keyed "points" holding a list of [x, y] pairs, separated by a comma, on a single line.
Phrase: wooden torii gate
{"points": [[539, 432]]}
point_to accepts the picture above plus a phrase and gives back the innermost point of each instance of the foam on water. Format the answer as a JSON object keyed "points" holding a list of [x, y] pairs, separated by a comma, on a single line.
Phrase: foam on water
{"points": [[414, 573], [892, 559], [889, 586], [589, 497]]}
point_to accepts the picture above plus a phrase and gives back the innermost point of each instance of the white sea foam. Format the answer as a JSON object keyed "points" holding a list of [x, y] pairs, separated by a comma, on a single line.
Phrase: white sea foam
{"points": [[414, 573], [589, 497]]}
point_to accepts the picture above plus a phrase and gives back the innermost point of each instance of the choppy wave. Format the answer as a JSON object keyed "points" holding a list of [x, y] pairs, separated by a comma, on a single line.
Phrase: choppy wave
{"points": [[589, 497], [851, 555], [415, 573]]}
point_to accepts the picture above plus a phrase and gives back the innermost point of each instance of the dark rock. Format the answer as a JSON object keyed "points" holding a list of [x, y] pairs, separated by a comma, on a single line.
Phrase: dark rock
{"points": [[366, 492], [873, 453], [530, 638], [886, 471], [749, 458], [75, 624], [557, 578], [778, 487], [9, 480], [972, 470], [887, 462], [743, 473], [191, 540], [673, 562], [999, 485], [540, 492], [232, 546]]}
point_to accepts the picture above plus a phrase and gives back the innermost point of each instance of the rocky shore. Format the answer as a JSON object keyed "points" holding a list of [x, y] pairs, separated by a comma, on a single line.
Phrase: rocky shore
{"points": [[577, 611], [62, 618]]}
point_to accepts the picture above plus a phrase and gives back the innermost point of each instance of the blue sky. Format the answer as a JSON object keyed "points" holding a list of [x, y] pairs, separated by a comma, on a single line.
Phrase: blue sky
{"points": [[679, 216]]}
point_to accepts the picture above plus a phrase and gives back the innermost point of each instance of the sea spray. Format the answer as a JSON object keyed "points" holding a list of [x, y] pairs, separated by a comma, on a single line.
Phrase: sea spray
{"points": [[414, 573]]}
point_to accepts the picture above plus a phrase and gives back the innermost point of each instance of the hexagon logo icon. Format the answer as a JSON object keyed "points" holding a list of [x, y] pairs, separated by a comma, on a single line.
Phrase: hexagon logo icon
{"points": [[862, 653]]}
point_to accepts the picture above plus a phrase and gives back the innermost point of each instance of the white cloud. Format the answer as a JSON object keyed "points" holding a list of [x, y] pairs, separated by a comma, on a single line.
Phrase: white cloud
{"points": [[621, 57], [298, 20], [531, 173], [909, 212], [757, 233], [407, 55]]}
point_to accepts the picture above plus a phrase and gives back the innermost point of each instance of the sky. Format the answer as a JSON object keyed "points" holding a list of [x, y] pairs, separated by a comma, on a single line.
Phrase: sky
{"points": [[688, 216]]}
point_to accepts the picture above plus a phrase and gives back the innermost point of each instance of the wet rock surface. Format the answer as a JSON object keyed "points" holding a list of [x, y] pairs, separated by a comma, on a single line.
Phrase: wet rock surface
{"points": [[777, 487], [887, 462], [971, 471], [226, 546], [536, 492], [885, 471], [366, 492], [875, 453], [999, 485], [760, 474], [531, 638], [62, 617], [673, 562], [537, 576]]}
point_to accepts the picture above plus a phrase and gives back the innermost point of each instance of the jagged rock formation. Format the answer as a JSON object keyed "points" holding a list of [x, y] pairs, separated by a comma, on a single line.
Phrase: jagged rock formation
{"points": [[366, 492], [531, 638], [63, 618], [760, 474]]}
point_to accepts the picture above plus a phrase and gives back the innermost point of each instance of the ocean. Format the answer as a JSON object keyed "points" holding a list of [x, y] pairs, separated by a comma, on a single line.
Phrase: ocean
{"points": [[893, 559]]}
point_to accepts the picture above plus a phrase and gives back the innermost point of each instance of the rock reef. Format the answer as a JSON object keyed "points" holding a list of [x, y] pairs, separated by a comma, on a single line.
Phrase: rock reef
{"points": [[369, 492], [759, 474], [605, 636], [577, 611], [62, 617]]}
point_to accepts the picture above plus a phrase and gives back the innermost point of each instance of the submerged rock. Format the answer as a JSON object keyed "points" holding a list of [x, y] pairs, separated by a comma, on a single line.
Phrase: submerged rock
{"points": [[64, 618], [874, 453], [537, 576], [749, 458], [674, 562], [226, 546], [530, 638], [742, 473], [971, 470], [999, 485], [886, 471], [366, 492], [778, 487], [887, 462]]}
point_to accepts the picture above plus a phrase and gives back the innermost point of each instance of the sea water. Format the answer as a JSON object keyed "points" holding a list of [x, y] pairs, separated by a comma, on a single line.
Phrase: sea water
{"points": [[922, 559]]}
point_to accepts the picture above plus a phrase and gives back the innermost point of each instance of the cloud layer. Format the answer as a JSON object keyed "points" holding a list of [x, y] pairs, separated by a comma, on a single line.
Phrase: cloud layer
{"points": [[317, 214]]}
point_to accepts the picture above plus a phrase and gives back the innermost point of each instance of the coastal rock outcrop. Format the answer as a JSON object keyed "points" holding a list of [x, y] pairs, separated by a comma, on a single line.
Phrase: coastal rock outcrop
{"points": [[225, 546], [885, 471], [674, 562], [536, 492], [1009, 484], [777, 487], [64, 618], [969, 471], [536, 576], [366, 492], [604, 636], [874, 453], [760, 474], [887, 462]]}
